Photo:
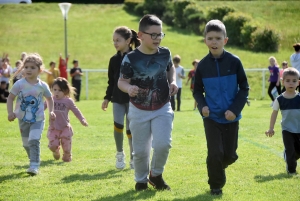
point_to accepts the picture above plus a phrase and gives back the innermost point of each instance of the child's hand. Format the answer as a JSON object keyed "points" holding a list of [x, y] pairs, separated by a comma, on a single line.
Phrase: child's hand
{"points": [[84, 122], [229, 115], [105, 104], [133, 90], [173, 89], [270, 133], [11, 116], [52, 116], [205, 111]]}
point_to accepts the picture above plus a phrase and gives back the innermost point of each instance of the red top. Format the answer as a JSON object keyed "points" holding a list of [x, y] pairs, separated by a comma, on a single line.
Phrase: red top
{"points": [[63, 67]]}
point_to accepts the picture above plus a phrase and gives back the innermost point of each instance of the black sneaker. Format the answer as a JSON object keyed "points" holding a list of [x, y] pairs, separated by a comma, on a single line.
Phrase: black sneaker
{"points": [[158, 182], [141, 186], [216, 191]]}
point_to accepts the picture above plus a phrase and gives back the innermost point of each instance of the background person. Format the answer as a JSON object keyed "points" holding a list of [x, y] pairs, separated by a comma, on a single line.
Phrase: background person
{"points": [[179, 76], [76, 74]]}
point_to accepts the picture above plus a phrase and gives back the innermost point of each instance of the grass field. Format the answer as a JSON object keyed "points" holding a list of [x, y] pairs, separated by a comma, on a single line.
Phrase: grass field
{"points": [[39, 27], [258, 174]]}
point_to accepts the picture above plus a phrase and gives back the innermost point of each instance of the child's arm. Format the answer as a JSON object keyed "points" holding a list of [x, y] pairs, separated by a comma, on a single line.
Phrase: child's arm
{"points": [[9, 105], [278, 79], [77, 113], [271, 131], [171, 75], [50, 107], [125, 86]]}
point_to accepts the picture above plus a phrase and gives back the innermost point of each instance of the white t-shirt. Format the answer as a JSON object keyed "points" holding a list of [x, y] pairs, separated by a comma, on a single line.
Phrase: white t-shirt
{"points": [[179, 70], [5, 71]]}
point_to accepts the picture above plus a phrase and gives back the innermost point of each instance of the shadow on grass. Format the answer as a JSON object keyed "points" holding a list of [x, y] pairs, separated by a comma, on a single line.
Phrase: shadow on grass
{"points": [[88, 177], [13, 176], [205, 196], [130, 195], [43, 163], [266, 178]]}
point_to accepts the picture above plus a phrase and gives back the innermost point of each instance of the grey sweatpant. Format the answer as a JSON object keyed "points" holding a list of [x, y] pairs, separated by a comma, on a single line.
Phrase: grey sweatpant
{"points": [[31, 134], [150, 128]]}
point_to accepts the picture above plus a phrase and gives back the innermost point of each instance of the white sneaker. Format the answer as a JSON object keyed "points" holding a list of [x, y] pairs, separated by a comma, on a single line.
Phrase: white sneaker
{"points": [[120, 162], [131, 164], [32, 171]]}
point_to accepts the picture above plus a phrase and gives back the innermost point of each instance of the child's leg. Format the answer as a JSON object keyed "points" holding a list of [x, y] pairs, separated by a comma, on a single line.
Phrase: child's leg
{"points": [[35, 134], [172, 101], [290, 153], [53, 138], [271, 86], [141, 141], [230, 143], [66, 143], [215, 154], [178, 98], [297, 146], [161, 127], [119, 111], [25, 129]]}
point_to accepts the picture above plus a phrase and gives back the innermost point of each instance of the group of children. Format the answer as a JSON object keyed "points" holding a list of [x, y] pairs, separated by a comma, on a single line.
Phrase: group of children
{"points": [[141, 82]]}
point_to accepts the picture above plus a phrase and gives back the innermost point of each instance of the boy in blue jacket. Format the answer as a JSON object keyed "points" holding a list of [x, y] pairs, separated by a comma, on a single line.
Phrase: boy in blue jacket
{"points": [[221, 91]]}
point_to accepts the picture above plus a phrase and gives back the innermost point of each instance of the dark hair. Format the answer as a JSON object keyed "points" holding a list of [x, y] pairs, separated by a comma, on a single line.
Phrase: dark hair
{"points": [[75, 61], [3, 82], [296, 47], [195, 61], [65, 87], [290, 71], [149, 20], [215, 25], [51, 63], [126, 33]]}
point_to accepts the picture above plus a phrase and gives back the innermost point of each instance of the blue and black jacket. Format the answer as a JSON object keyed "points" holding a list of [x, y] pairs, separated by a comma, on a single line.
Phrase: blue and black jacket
{"points": [[221, 84]]}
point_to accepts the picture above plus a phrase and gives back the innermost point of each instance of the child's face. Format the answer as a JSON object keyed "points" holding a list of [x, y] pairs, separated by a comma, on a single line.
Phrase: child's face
{"points": [[31, 70], [291, 82], [151, 38], [120, 43], [272, 62], [3, 86], [284, 66], [215, 41], [52, 66], [57, 92]]}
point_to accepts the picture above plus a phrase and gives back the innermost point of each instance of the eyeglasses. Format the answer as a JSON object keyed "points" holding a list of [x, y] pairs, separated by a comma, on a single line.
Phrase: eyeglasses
{"points": [[155, 35]]}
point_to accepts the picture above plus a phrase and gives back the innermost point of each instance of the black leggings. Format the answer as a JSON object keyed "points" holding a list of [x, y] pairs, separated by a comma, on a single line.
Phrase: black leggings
{"points": [[178, 98], [271, 86]]}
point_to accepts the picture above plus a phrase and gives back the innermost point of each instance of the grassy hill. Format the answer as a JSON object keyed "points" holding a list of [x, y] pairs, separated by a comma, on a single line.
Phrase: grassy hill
{"points": [[39, 27]]}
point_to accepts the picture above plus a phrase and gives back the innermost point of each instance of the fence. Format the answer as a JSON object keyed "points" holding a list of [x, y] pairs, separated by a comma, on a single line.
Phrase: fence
{"points": [[88, 72]]}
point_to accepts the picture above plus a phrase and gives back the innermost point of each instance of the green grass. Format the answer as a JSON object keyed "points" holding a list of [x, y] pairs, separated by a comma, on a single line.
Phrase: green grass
{"points": [[39, 27], [258, 174]]}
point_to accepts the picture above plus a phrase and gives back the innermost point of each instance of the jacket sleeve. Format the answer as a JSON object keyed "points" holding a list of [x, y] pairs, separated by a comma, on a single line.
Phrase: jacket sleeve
{"points": [[199, 91], [241, 97], [110, 82]]}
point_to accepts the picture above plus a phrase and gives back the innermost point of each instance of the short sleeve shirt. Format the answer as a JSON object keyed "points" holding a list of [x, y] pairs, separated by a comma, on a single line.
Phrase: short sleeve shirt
{"points": [[30, 105], [149, 73]]}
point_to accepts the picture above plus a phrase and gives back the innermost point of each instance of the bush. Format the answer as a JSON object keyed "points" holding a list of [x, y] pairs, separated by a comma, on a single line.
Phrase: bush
{"points": [[246, 33], [266, 40], [155, 7], [129, 5], [193, 17], [218, 12], [168, 18], [179, 7], [234, 23]]}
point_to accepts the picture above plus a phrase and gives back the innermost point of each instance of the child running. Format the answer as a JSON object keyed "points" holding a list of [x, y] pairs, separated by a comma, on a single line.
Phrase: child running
{"points": [[60, 131], [29, 108], [289, 104], [148, 76], [191, 77], [123, 39], [274, 78]]}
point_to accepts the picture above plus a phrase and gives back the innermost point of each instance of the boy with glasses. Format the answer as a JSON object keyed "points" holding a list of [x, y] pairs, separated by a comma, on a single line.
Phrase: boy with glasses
{"points": [[148, 76]]}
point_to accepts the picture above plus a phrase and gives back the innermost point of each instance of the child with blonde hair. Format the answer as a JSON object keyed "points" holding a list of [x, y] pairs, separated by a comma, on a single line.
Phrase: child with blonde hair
{"points": [[29, 108], [274, 78], [60, 131]]}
